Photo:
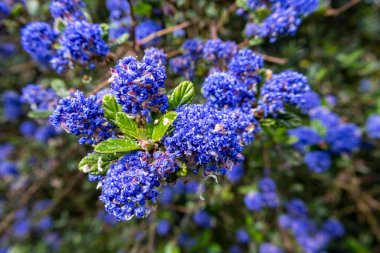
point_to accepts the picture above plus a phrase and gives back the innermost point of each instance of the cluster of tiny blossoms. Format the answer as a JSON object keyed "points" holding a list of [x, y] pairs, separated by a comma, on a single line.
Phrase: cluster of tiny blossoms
{"points": [[328, 137], [266, 197], [73, 41], [284, 18]]}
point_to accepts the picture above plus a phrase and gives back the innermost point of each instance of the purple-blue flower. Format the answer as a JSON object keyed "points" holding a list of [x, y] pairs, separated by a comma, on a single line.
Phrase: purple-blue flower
{"points": [[318, 161]]}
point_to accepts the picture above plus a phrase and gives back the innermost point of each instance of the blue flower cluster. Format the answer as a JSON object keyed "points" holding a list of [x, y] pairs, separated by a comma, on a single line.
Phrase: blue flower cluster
{"points": [[244, 124], [284, 18], [269, 248], [38, 97], [38, 39], [266, 197], [7, 6], [67, 9], [80, 41], [331, 137], [129, 188], [372, 126], [204, 137], [120, 17], [82, 116], [309, 236], [216, 52], [146, 28], [216, 49], [12, 105], [41, 133], [155, 57], [202, 218], [139, 86], [288, 87], [8, 168], [235, 174], [171, 193]]}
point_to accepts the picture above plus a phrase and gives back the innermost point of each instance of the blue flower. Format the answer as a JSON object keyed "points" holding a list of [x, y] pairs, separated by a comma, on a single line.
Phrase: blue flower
{"points": [[216, 49], [224, 90], [203, 136], [8, 169], [67, 9], [267, 185], [39, 98], [287, 87], [164, 163], [344, 138], [129, 188], [163, 227], [372, 126], [306, 136], [38, 39], [318, 161], [12, 106], [82, 116], [7, 49], [146, 28], [202, 219], [325, 116], [81, 42], [28, 128], [269, 248], [254, 201], [296, 207], [334, 228], [236, 173], [139, 86], [311, 100], [245, 65], [118, 8], [154, 57], [242, 236], [182, 65], [193, 48]]}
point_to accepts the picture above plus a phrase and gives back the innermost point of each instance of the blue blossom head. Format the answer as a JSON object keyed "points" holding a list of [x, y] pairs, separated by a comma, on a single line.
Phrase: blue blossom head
{"points": [[202, 219], [8, 169], [129, 188], [139, 86], [306, 137], [242, 236], [224, 90], [39, 98], [154, 57], [311, 100], [266, 185], [82, 116], [296, 208], [254, 201], [287, 87], [38, 39], [69, 10], [236, 173], [372, 126], [193, 48], [344, 138], [182, 65], [146, 28], [245, 65], [118, 8], [325, 116], [318, 161], [216, 49], [81, 42], [269, 248], [333, 227], [12, 106], [163, 227], [28, 128], [203, 136]]}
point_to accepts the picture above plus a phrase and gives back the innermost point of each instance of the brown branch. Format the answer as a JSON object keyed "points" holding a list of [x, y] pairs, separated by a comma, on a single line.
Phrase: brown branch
{"points": [[99, 86], [335, 12], [164, 32], [136, 46], [226, 14]]}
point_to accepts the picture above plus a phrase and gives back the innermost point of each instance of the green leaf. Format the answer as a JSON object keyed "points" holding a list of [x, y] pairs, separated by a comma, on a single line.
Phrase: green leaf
{"points": [[110, 108], [59, 87], [105, 27], [318, 127], [127, 125], [59, 25], [288, 120], [142, 9], [182, 94], [267, 122], [182, 172], [163, 124], [39, 114], [95, 163], [116, 145]]}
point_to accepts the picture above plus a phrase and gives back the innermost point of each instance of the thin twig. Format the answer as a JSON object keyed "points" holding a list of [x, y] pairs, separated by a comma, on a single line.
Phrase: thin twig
{"points": [[99, 86], [343, 8], [164, 32], [133, 28], [226, 14]]}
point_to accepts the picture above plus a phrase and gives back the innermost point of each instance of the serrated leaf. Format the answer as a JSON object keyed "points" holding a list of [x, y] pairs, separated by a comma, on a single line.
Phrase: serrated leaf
{"points": [[39, 114], [288, 120], [182, 94], [127, 125], [110, 108], [116, 145], [95, 163], [163, 124]]}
